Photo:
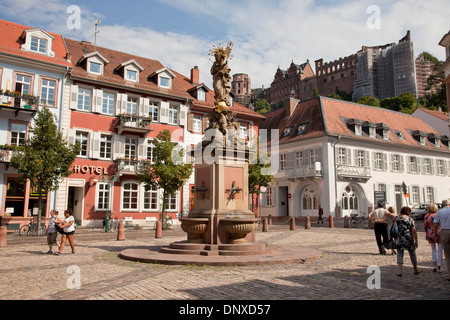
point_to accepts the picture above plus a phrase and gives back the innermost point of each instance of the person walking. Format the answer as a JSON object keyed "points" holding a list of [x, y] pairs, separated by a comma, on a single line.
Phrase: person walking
{"points": [[320, 215], [406, 240], [52, 233], [391, 216], [68, 226], [442, 221], [433, 240], [379, 218]]}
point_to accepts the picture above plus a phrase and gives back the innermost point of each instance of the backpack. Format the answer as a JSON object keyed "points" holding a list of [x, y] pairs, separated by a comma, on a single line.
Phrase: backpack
{"points": [[393, 233]]}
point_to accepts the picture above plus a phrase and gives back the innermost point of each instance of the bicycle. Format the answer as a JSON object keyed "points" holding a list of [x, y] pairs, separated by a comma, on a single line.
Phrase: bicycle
{"points": [[166, 223], [359, 221], [32, 228]]}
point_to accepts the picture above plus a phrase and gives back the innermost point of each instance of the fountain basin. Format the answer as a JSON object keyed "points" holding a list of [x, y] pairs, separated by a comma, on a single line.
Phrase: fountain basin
{"points": [[195, 228], [238, 228]]}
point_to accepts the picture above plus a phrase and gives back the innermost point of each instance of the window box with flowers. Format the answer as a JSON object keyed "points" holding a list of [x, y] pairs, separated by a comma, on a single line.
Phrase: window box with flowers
{"points": [[133, 123]]}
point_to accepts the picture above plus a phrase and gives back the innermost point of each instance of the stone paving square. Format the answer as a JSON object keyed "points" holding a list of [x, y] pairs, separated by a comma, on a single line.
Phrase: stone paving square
{"points": [[96, 272]]}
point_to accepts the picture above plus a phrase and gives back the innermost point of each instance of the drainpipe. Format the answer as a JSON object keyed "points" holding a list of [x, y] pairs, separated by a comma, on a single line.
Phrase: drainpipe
{"points": [[335, 174]]}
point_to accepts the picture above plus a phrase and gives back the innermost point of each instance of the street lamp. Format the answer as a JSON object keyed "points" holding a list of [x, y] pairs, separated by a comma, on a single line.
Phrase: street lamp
{"points": [[109, 181]]}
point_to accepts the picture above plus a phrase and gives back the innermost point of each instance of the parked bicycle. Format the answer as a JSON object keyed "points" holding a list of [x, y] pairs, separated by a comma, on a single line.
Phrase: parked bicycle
{"points": [[31, 229], [359, 221], [113, 224], [166, 223]]}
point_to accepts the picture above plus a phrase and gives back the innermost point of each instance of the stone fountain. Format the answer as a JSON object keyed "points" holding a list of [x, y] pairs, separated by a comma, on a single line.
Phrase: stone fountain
{"points": [[220, 228]]}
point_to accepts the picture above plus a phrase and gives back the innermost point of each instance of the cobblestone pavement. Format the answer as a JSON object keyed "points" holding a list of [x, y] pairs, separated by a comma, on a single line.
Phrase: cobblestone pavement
{"points": [[28, 273]]}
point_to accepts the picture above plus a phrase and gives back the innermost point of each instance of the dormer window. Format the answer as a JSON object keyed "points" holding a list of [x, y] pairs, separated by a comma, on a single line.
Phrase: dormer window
{"points": [[420, 136], [130, 70], [95, 67], [201, 95], [358, 129], [38, 45], [39, 41], [435, 139], [372, 132], [94, 62], [131, 75], [399, 134], [164, 82], [303, 128], [354, 125], [163, 77]]}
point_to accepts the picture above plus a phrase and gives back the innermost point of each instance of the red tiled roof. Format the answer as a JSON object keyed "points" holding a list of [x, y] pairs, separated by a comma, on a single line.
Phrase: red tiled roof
{"points": [[328, 116], [10, 42], [181, 85]]}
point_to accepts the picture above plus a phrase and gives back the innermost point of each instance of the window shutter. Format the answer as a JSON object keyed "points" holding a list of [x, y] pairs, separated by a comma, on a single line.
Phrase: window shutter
{"points": [[146, 107], [97, 101], [119, 146], [183, 115], [73, 97], [419, 165], [385, 162], [164, 117], [367, 159], [190, 122], [349, 157], [71, 136], [205, 121], [142, 148], [95, 143], [402, 164]]}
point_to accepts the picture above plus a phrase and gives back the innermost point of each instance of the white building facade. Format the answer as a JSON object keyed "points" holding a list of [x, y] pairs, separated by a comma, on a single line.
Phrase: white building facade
{"points": [[344, 157]]}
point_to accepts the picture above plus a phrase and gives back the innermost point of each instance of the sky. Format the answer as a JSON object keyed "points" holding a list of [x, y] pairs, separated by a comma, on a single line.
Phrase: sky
{"points": [[267, 34]]}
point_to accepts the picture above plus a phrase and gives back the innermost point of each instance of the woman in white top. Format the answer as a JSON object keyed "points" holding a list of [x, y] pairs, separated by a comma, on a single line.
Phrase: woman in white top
{"points": [[68, 226]]}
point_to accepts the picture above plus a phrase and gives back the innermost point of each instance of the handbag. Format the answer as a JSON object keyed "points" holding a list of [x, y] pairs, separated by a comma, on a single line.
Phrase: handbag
{"points": [[389, 244]]}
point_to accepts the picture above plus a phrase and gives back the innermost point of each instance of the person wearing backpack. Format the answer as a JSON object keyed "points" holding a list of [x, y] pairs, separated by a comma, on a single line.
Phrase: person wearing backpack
{"points": [[406, 240], [379, 217]]}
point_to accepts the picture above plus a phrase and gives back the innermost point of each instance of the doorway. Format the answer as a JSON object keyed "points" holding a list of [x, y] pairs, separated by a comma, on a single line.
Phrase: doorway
{"points": [[350, 201], [283, 206], [75, 203]]}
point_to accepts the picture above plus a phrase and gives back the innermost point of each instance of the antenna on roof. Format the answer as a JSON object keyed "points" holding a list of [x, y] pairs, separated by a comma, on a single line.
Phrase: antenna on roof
{"points": [[95, 25]]}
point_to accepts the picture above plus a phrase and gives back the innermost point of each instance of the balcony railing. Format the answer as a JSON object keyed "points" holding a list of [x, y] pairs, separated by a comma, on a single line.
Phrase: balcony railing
{"points": [[129, 165], [17, 102], [301, 172], [346, 171], [133, 123]]}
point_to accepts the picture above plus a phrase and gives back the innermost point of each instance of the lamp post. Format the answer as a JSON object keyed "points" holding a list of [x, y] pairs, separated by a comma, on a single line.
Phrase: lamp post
{"points": [[109, 181]]}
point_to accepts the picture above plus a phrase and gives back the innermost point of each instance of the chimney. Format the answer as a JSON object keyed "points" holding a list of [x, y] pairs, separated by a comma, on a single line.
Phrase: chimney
{"points": [[292, 103], [195, 75]]}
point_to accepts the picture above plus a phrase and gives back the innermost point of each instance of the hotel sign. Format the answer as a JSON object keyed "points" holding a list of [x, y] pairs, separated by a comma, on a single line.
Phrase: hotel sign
{"points": [[90, 169]]}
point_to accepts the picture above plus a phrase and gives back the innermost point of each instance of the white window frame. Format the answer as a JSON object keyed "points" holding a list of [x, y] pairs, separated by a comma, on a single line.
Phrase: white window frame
{"points": [[153, 111], [440, 167], [172, 200], [132, 105], [162, 80], [94, 63], [108, 103], [429, 194], [84, 97], [415, 194], [46, 89], [122, 196], [39, 41], [83, 138], [103, 193], [243, 131], [201, 95], [197, 124], [150, 194], [18, 133], [427, 166], [173, 115], [128, 72], [106, 143]]}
